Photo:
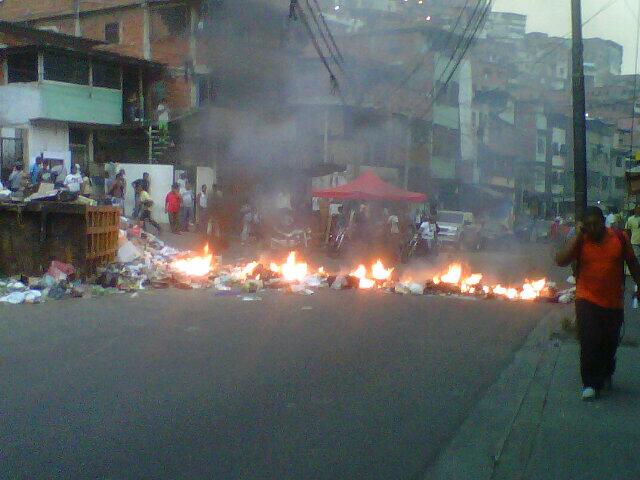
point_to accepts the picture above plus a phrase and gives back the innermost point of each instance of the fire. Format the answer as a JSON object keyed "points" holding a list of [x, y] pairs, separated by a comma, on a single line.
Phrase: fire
{"points": [[453, 275], [274, 267], [249, 268], [293, 271], [198, 266], [361, 273], [472, 284], [379, 272]]}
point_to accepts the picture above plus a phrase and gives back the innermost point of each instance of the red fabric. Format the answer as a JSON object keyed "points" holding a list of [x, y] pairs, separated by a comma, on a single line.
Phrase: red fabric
{"points": [[173, 202], [369, 186]]}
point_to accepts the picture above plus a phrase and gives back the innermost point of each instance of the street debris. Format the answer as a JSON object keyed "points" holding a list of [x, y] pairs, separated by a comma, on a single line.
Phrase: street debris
{"points": [[145, 262]]}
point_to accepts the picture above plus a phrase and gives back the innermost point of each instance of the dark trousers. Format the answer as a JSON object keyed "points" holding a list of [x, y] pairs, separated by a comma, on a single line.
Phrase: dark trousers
{"points": [[599, 335], [174, 221], [145, 216]]}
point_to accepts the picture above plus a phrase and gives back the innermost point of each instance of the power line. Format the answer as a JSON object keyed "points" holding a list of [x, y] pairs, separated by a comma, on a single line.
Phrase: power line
{"points": [[469, 42], [335, 85], [326, 26], [450, 35], [328, 44]]}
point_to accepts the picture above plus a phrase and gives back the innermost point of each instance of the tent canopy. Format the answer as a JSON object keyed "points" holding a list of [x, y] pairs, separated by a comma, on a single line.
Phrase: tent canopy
{"points": [[369, 186]]}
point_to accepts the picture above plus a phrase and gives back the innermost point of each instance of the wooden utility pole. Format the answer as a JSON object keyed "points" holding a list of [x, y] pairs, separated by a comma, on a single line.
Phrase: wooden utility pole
{"points": [[579, 113]]}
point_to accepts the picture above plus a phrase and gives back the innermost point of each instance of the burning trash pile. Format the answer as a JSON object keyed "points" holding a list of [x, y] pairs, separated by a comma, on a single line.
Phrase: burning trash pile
{"points": [[145, 262]]}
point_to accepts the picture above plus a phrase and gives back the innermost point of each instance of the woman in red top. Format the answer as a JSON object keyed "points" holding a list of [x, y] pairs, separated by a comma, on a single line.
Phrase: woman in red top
{"points": [[172, 206], [600, 254]]}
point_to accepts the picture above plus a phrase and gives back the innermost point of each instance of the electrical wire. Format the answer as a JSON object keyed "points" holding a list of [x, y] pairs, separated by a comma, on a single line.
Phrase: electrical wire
{"points": [[326, 26], [421, 64], [333, 79], [330, 45], [463, 53]]}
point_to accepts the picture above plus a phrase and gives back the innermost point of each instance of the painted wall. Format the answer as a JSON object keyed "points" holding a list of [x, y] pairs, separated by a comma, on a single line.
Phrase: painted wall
{"points": [[79, 103], [19, 103], [50, 138], [161, 177], [59, 101]]}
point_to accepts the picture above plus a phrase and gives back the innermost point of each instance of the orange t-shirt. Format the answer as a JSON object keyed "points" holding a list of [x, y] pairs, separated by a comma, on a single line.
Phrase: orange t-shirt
{"points": [[601, 270]]}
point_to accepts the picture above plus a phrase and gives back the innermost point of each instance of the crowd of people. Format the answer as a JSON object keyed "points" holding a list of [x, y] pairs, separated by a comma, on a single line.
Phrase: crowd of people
{"points": [[48, 172]]}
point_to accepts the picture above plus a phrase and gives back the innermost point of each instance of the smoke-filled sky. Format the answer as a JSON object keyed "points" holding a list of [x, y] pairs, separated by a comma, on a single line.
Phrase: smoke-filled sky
{"points": [[617, 22]]}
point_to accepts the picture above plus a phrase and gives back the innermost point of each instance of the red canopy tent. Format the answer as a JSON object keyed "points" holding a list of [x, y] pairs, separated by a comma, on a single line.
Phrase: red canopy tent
{"points": [[369, 186]]}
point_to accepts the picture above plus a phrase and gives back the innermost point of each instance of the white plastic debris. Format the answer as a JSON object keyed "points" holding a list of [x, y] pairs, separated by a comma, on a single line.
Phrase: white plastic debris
{"points": [[14, 298], [339, 282], [16, 286], [128, 252], [33, 296]]}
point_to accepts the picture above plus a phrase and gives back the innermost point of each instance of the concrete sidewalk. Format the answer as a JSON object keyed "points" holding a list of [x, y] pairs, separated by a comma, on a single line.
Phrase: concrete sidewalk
{"points": [[531, 424]]}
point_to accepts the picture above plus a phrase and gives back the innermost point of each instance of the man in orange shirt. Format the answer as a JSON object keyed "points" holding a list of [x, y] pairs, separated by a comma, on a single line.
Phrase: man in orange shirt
{"points": [[600, 254]]}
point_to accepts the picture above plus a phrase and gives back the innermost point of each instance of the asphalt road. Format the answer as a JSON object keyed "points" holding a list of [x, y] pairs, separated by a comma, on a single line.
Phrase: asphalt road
{"points": [[185, 384]]}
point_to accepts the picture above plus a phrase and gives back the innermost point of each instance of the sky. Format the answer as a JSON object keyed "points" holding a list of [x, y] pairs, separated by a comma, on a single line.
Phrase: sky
{"points": [[617, 22]]}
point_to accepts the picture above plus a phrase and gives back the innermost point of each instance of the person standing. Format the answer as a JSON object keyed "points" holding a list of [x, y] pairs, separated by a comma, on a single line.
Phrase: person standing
{"points": [[73, 181], [186, 214], [144, 182], [116, 191], [172, 208], [36, 170], [145, 208], [633, 228], [599, 254], [202, 203], [15, 179]]}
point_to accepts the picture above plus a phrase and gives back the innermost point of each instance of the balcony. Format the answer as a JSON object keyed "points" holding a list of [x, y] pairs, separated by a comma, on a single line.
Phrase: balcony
{"points": [[60, 101]]}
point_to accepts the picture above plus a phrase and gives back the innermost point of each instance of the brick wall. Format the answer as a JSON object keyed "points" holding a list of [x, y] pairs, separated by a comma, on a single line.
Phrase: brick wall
{"points": [[18, 10], [131, 34]]}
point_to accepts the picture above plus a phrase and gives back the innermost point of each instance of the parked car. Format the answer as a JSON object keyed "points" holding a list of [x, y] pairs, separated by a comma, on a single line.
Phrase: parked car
{"points": [[459, 229]]}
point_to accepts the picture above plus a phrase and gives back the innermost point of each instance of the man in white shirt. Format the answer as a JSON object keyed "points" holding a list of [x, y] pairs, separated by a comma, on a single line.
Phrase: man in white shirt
{"points": [[73, 181], [428, 232]]}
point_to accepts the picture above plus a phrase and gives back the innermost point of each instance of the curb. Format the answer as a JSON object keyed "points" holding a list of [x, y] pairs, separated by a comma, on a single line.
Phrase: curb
{"points": [[494, 432]]}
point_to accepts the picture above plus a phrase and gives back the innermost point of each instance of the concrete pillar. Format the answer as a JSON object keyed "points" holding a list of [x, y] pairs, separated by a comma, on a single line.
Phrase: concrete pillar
{"points": [[146, 31], [326, 136], [77, 25]]}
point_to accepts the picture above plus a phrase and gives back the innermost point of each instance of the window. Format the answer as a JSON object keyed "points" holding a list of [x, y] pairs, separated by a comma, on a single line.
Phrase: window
{"points": [[605, 183], [112, 32], [61, 67], [542, 145], [106, 75], [22, 67], [206, 91], [169, 22], [618, 161], [620, 183]]}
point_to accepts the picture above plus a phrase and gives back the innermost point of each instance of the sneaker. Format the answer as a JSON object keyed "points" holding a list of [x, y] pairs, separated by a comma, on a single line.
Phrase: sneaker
{"points": [[588, 393]]}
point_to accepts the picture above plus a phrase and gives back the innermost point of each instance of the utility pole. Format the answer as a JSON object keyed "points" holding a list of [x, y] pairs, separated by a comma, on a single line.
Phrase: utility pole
{"points": [[579, 113]]}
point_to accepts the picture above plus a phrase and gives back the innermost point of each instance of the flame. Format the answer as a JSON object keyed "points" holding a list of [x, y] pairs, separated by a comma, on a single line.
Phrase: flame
{"points": [[274, 267], [321, 271], [453, 275], [249, 268], [473, 279], [195, 266], [293, 271], [379, 272], [361, 273]]}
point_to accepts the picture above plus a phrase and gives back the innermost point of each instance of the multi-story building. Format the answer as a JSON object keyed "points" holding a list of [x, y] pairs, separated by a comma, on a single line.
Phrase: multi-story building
{"points": [[60, 95]]}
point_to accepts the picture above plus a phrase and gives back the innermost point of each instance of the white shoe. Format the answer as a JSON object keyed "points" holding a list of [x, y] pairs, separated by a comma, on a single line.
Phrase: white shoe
{"points": [[588, 393]]}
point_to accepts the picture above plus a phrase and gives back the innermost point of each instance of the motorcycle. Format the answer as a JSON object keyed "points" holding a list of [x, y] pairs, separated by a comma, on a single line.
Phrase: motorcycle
{"points": [[417, 245], [295, 239]]}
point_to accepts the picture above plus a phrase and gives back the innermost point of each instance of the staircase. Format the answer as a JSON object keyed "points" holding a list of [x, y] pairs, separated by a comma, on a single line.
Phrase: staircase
{"points": [[159, 143]]}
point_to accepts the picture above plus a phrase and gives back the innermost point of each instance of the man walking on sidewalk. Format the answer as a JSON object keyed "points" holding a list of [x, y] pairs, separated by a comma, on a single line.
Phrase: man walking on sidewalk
{"points": [[172, 207], [600, 254]]}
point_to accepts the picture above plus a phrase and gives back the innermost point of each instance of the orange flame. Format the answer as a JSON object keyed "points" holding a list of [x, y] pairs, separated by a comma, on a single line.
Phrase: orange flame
{"points": [[379, 272], [453, 275], [293, 271], [195, 266]]}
